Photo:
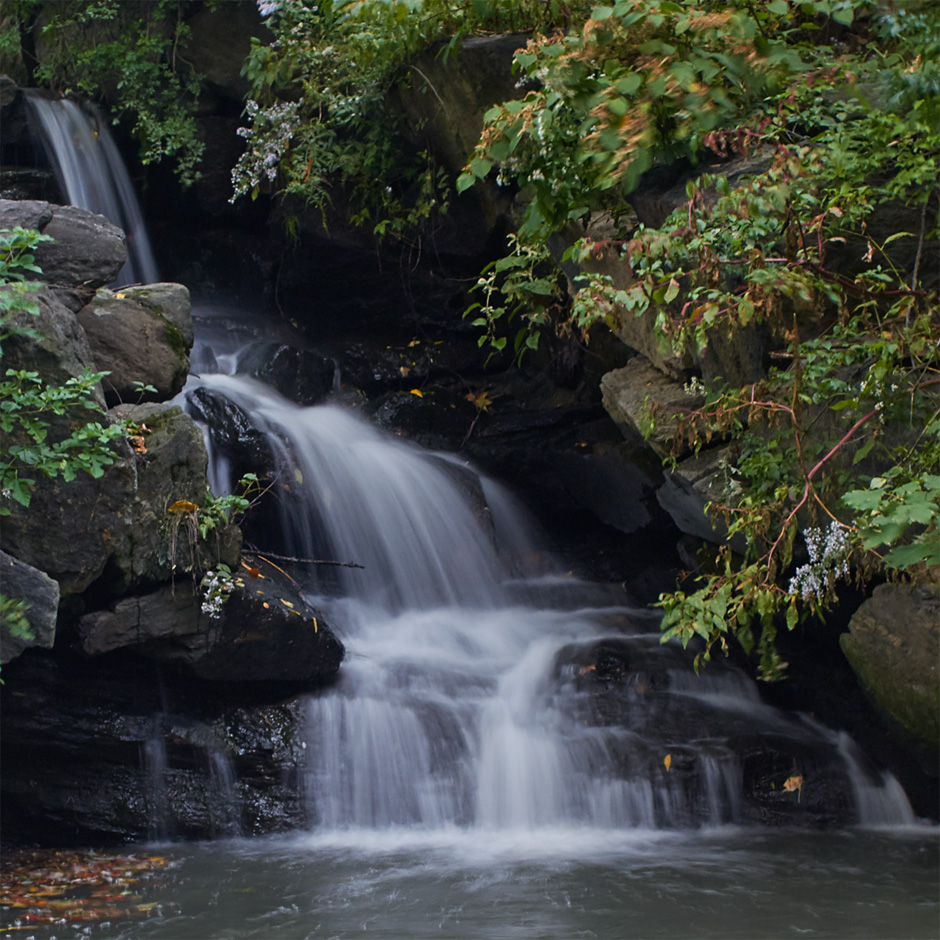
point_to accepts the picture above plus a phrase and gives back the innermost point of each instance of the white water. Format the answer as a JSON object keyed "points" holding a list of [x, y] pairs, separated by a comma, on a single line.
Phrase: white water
{"points": [[460, 706], [92, 175]]}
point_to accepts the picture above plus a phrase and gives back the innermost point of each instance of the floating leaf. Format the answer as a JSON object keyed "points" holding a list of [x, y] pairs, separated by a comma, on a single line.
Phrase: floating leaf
{"points": [[418, 392], [667, 761], [298, 476]]}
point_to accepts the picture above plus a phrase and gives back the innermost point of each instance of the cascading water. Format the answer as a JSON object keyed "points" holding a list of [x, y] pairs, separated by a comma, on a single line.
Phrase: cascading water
{"points": [[92, 175], [460, 704]]}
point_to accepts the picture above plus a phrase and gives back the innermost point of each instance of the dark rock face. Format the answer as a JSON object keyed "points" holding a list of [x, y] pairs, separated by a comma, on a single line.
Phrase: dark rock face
{"points": [[262, 632], [116, 750], [140, 334], [170, 459], [21, 582], [88, 250], [71, 529], [300, 375], [651, 690], [231, 430]]}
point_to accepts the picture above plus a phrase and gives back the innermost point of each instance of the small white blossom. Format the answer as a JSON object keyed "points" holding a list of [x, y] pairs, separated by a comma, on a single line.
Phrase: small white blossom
{"points": [[828, 561]]}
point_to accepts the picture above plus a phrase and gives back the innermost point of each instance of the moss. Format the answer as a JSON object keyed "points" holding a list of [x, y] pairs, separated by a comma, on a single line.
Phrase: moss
{"points": [[174, 336]]}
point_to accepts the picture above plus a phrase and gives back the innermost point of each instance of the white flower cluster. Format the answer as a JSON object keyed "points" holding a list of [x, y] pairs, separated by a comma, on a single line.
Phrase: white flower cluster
{"points": [[217, 586], [828, 561], [267, 7], [268, 138]]}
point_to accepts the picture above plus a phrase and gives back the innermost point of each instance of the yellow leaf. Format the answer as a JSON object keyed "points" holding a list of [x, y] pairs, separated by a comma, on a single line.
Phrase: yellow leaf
{"points": [[667, 760], [793, 783], [404, 370], [286, 603], [298, 476], [315, 625], [119, 295], [266, 605], [417, 391], [183, 505]]}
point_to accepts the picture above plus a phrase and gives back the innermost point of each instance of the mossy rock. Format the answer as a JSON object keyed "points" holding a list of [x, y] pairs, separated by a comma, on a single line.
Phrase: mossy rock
{"points": [[893, 644]]}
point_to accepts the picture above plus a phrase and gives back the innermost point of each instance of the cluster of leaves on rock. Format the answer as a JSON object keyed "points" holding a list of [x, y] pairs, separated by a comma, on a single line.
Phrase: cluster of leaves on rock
{"points": [[29, 405], [840, 100], [318, 110], [127, 54]]}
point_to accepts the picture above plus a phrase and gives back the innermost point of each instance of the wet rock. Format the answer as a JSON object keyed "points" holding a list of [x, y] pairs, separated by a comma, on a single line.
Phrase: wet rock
{"points": [[730, 759], [300, 375], [140, 335], [117, 749], [263, 631], [893, 644], [231, 430], [22, 582]]}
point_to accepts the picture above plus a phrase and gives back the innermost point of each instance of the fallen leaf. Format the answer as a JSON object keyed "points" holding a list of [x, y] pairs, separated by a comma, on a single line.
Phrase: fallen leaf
{"points": [[404, 370], [418, 392], [587, 669], [183, 505], [254, 572], [137, 443], [793, 783], [667, 760], [298, 476]]}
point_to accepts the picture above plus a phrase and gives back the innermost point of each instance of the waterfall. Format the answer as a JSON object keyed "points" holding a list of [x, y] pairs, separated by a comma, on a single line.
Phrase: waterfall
{"points": [[465, 702], [92, 175]]}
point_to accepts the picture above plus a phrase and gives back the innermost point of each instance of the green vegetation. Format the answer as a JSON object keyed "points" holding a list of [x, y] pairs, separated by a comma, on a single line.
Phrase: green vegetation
{"points": [[318, 110], [836, 104], [33, 441], [125, 55]]}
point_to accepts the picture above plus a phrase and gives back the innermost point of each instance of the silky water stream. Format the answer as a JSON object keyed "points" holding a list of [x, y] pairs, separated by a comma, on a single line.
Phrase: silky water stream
{"points": [[510, 753]]}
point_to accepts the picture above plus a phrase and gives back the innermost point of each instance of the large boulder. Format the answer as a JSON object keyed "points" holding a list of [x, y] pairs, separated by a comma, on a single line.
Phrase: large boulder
{"points": [[27, 585], [87, 251], [71, 528], [50, 342], [893, 644], [171, 462], [644, 402], [141, 336]]}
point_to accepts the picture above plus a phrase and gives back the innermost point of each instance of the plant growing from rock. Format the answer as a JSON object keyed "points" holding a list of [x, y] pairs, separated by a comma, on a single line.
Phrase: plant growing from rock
{"points": [[33, 442]]}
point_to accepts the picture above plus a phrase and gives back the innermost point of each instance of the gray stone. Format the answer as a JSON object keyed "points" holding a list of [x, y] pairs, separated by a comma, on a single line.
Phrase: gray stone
{"points": [[22, 582], [140, 334], [691, 486], [643, 401], [265, 631], [87, 251], [51, 343], [25, 213], [893, 644], [171, 462]]}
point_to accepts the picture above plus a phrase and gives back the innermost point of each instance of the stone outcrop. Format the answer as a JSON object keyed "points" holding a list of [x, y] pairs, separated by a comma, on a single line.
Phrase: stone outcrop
{"points": [[140, 335], [263, 631], [87, 251], [893, 644], [23, 584]]}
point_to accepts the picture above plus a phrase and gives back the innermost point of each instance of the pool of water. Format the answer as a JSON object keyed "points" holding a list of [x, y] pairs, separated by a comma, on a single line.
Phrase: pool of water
{"points": [[728, 883]]}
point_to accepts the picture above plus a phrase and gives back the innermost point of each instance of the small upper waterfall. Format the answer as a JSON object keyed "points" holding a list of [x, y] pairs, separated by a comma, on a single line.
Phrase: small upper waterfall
{"points": [[92, 175]]}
